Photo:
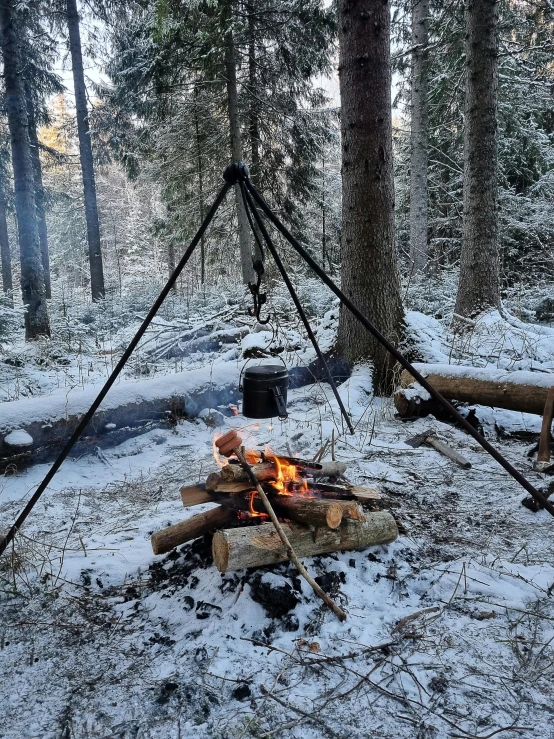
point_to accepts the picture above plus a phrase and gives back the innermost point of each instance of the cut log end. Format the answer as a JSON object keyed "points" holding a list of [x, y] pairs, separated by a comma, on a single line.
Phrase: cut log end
{"points": [[334, 516]]}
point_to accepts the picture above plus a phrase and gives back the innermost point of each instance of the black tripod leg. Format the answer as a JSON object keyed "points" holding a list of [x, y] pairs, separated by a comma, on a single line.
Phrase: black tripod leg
{"points": [[251, 210], [112, 378], [510, 469]]}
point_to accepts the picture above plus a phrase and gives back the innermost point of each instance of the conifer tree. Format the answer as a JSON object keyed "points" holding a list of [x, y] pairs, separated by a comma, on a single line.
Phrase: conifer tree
{"points": [[369, 273], [479, 284], [85, 153], [32, 275]]}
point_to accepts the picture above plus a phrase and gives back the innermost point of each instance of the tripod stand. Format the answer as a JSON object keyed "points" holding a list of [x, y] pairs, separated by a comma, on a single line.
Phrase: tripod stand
{"points": [[238, 174]]}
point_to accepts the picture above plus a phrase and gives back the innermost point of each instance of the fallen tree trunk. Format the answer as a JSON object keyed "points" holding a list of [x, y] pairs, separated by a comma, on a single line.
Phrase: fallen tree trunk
{"points": [[130, 408], [173, 536], [514, 391], [255, 546]]}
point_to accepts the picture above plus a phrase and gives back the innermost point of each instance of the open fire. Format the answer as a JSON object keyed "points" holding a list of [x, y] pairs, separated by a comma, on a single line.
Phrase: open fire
{"points": [[320, 510]]}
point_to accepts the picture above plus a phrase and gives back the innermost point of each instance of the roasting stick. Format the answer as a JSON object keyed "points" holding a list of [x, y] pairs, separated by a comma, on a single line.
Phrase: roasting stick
{"points": [[223, 444]]}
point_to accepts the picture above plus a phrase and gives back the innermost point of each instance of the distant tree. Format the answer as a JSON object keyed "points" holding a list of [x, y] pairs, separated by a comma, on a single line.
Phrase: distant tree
{"points": [[40, 200], [419, 195], [32, 275], [170, 69], [236, 143], [369, 271], [85, 153], [479, 285], [5, 253]]}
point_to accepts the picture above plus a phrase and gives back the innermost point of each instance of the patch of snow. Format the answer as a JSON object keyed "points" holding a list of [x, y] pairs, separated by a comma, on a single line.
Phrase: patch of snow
{"points": [[18, 437]]}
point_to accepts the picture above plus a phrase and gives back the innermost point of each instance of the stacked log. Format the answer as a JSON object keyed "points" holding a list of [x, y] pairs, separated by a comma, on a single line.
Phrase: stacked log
{"points": [[236, 549], [322, 517]]}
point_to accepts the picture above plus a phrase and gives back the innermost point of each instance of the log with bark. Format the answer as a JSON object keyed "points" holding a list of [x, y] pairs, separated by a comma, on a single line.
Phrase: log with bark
{"points": [[255, 546], [268, 471], [192, 495], [216, 484], [173, 536], [515, 391]]}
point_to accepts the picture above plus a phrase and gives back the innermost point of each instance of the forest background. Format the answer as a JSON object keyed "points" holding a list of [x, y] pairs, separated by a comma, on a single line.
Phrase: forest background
{"points": [[176, 90]]}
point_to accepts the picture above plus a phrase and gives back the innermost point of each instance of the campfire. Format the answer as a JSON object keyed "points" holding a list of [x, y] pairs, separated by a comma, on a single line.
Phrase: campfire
{"points": [[319, 511]]}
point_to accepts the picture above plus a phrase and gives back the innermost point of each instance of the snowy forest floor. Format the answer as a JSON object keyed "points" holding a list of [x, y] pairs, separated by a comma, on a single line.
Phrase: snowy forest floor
{"points": [[450, 629]]}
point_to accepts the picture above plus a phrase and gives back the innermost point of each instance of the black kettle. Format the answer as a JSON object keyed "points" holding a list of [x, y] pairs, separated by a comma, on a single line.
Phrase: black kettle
{"points": [[264, 390]]}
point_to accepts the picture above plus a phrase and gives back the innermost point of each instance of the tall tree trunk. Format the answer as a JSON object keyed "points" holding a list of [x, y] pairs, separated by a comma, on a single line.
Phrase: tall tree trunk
{"points": [[236, 156], [32, 278], [254, 104], [200, 172], [253, 116], [369, 269], [479, 286], [323, 219], [5, 254], [85, 153], [419, 136], [39, 190]]}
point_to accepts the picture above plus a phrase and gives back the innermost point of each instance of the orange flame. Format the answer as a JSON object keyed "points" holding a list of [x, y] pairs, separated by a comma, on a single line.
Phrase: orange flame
{"points": [[287, 474], [217, 458]]}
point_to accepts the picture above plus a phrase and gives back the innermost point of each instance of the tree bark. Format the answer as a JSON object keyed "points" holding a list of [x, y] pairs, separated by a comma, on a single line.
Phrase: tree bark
{"points": [[419, 136], [514, 391], [5, 253], [369, 270], [256, 546], [32, 277], [479, 286], [236, 155], [192, 495], [173, 536], [200, 173], [39, 190], [85, 153], [318, 511]]}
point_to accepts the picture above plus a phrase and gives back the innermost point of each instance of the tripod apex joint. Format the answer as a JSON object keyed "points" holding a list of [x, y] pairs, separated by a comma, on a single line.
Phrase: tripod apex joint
{"points": [[235, 173]]}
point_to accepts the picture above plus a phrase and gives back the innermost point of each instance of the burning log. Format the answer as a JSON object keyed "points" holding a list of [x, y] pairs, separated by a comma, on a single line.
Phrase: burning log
{"points": [[173, 536], [309, 511], [255, 546], [263, 471], [192, 495], [318, 511]]}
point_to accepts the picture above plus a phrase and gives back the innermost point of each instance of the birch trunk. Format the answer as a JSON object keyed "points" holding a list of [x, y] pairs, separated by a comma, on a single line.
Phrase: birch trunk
{"points": [[419, 136], [85, 154], [479, 286], [236, 156], [369, 270], [32, 277]]}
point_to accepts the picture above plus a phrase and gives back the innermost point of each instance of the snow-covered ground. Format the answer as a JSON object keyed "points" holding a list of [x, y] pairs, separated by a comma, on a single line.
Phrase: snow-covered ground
{"points": [[449, 630]]}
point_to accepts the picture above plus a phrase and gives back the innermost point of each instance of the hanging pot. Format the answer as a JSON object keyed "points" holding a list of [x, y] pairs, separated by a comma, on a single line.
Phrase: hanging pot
{"points": [[264, 391]]}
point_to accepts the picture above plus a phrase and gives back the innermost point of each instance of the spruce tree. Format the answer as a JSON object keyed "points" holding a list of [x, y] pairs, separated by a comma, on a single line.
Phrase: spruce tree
{"points": [[479, 284], [369, 273], [85, 154], [32, 275]]}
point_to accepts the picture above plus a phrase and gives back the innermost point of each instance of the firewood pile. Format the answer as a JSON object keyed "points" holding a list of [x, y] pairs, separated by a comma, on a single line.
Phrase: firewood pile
{"points": [[318, 511]]}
